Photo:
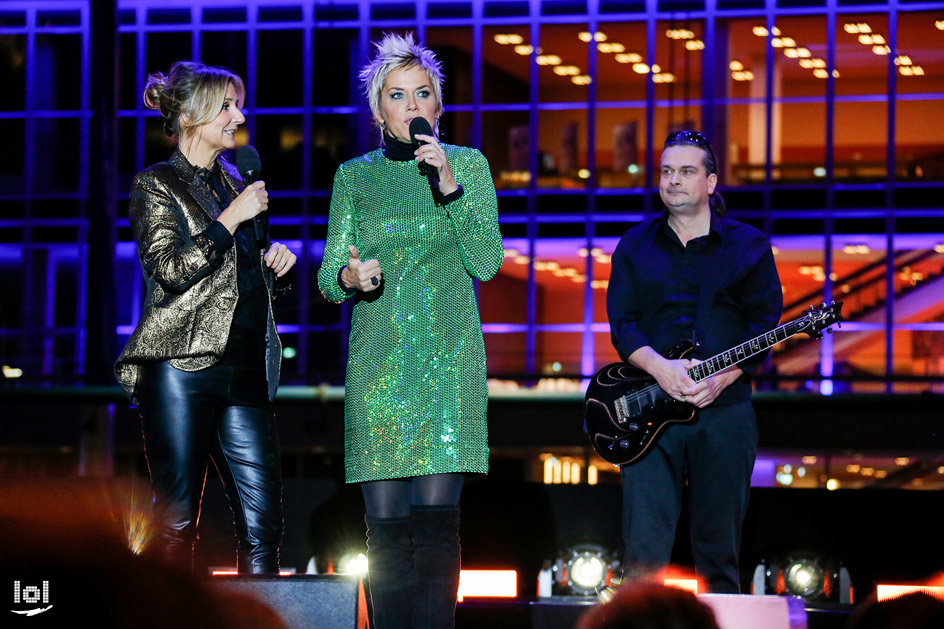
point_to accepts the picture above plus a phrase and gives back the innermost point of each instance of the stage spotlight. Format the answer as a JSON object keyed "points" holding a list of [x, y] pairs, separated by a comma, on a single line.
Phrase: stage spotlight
{"points": [[587, 572], [353, 563], [804, 578], [804, 575], [582, 570]]}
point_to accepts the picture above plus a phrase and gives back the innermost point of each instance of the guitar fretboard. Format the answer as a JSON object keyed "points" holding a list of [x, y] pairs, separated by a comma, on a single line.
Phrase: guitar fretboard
{"points": [[742, 352]]}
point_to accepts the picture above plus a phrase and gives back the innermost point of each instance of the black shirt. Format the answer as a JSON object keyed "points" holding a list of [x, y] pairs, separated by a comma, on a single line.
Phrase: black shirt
{"points": [[656, 282], [252, 306]]}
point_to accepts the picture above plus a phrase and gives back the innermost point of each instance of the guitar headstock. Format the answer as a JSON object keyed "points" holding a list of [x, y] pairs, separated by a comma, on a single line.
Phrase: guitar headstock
{"points": [[815, 320]]}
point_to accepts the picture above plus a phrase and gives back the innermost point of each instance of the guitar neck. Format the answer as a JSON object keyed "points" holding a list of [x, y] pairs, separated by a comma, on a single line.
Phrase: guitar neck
{"points": [[742, 352]]}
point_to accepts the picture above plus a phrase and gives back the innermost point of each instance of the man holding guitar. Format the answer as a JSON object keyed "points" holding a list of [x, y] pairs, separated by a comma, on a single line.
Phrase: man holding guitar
{"points": [[692, 274]]}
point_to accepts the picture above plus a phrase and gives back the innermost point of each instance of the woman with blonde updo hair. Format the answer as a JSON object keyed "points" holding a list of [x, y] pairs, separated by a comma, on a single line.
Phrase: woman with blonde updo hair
{"points": [[203, 362]]}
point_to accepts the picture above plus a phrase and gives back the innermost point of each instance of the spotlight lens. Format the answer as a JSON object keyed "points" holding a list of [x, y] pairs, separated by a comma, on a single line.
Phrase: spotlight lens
{"points": [[587, 571], [804, 579], [353, 564]]}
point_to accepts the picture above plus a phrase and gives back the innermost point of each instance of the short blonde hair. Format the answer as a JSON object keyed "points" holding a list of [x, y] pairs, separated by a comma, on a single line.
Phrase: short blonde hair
{"points": [[393, 53], [192, 89]]}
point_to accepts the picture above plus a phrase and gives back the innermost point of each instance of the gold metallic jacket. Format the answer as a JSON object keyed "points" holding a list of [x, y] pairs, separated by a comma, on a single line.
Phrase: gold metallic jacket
{"points": [[191, 287]]}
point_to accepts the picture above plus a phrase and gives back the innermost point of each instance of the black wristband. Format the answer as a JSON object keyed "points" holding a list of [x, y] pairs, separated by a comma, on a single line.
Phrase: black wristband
{"points": [[341, 284], [446, 199]]}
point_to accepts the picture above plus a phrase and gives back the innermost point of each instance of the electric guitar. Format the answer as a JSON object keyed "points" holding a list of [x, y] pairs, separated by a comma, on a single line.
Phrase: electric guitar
{"points": [[625, 411]]}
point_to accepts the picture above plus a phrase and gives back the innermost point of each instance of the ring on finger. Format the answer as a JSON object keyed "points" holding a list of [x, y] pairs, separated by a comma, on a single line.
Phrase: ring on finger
{"points": [[374, 280]]}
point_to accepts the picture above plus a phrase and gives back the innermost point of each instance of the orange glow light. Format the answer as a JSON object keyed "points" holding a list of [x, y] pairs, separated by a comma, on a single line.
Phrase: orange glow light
{"points": [[488, 583], [886, 592], [233, 573], [689, 585], [681, 578]]}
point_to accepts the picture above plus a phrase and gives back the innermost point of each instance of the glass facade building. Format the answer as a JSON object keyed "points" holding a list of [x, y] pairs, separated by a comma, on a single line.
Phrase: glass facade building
{"points": [[826, 116]]}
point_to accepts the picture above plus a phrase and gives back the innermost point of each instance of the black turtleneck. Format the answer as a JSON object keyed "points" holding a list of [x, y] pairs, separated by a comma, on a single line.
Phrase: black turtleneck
{"points": [[399, 151]]}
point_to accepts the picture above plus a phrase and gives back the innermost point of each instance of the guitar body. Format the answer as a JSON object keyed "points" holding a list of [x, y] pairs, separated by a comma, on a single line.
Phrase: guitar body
{"points": [[626, 412]]}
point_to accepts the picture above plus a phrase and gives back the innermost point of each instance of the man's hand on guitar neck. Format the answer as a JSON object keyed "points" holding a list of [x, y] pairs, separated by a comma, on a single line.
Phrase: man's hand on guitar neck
{"points": [[711, 387], [672, 376]]}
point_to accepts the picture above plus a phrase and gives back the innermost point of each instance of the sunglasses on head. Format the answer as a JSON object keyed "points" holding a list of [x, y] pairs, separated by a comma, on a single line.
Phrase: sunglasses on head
{"points": [[694, 137]]}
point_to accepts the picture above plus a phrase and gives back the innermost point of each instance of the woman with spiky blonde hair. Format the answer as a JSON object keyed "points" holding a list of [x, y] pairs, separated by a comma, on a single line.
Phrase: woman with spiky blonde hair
{"points": [[411, 226]]}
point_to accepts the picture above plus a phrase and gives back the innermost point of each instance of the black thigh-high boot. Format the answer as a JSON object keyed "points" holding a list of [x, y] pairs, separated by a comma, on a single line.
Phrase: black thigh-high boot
{"points": [[390, 571], [437, 559]]}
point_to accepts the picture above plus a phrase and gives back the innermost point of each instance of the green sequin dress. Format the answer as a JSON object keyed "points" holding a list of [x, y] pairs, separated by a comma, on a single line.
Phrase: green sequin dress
{"points": [[415, 393]]}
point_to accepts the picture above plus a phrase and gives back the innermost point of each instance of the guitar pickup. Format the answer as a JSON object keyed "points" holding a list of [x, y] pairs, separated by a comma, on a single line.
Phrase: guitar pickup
{"points": [[622, 410]]}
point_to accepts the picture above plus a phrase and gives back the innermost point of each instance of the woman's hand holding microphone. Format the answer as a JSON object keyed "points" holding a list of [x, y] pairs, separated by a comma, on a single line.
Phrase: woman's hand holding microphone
{"points": [[250, 203]]}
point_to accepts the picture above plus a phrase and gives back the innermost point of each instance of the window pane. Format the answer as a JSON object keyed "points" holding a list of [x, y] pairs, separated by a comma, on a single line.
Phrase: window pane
{"points": [[505, 144], [558, 353], [920, 63], [562, 149], [861, 149], [55, 154], [602, 252], [504, 70], [163, 49], [13, 72], [455, 127], [11, 283], [919, 269], [58, 71], [157, 146], [504, 298], [226, 49], [861, 57], [505, 354], [562, 63], [11, 160], [332, 142], [859, 355], [128, 94], [66, 293], [279, 74], [675, 118], [336, 83], [677, 68], [800, 266], [618, 78], [603, 351], [620, 153], [561, 273], [280, 143], [453, 48], [799, 142], [745, 158], [919, 136]]}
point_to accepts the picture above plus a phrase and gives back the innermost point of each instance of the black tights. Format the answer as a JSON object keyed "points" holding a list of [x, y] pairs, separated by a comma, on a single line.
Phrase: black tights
{"points": [[393, 498]]}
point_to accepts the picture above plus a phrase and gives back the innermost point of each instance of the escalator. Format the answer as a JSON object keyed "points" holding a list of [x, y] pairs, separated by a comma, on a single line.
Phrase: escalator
{"points": [[863, 294]]}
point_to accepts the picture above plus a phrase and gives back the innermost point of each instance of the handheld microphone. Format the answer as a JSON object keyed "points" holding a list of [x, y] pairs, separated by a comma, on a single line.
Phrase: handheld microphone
{"points": [[420, 125], [250, 169]]}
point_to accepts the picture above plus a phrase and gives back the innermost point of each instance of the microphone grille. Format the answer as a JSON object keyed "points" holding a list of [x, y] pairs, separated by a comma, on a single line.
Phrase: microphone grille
{"points": [[419, 125], [247, 160]]}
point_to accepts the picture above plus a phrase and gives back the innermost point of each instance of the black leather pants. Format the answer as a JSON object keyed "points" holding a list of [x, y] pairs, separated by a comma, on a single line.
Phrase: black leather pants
{"points": [[223, 413]]}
